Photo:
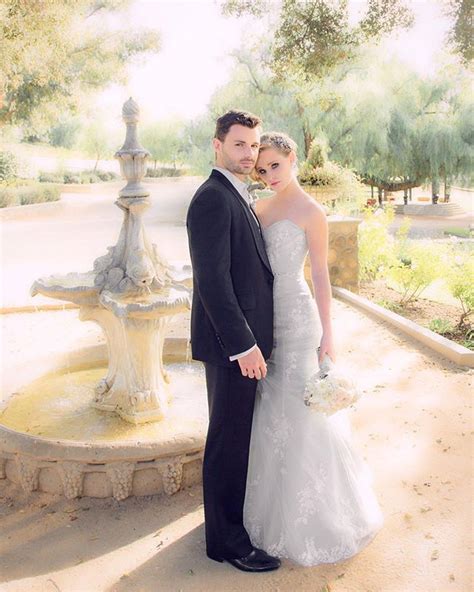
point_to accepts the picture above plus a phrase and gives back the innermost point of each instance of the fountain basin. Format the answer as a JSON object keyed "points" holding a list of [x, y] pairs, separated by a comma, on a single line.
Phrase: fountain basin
{"points": [[74, 449]]}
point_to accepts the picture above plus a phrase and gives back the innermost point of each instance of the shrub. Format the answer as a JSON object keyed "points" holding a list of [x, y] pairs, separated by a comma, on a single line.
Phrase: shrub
{"points": [[77, 177], [415, 271], [461, 286], [71, 178], [165, 172], [340, 186], [89, 177], [46, 177], [28, 194], [8, 167], [107, 175], [376, 245]]}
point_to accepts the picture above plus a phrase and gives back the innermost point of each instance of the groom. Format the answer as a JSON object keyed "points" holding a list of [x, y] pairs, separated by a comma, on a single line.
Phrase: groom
{"points": [[231, 331]]}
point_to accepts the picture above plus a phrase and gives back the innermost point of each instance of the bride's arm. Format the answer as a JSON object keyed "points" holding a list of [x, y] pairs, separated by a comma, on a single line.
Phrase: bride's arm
{"points": [[317, 237]]}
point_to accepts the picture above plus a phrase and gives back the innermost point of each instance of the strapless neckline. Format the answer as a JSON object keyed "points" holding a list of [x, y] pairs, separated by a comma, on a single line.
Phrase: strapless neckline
{"points": [[265, 228]]}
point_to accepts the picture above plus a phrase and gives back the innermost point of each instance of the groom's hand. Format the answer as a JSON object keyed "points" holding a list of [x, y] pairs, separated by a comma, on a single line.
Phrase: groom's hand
{"points": [[253, 364]]}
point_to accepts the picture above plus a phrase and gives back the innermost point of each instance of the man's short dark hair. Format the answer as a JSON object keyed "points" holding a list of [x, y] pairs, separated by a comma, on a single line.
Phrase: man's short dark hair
{"points": [[233, 117]]}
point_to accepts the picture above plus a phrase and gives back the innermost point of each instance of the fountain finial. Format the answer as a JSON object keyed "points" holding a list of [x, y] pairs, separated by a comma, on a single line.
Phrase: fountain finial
{"points": [[130, 111], [132, 156]]}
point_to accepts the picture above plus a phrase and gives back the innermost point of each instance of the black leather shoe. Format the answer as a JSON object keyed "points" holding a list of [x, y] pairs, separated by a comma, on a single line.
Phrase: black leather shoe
{"points": [[256, 561]]}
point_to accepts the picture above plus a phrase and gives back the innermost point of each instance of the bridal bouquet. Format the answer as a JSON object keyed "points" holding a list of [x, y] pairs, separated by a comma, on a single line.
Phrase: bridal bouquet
{"points": [[330, 389]]}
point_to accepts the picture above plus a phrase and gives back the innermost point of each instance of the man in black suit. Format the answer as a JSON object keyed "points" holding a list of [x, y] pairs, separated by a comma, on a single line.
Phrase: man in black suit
{"points": [[231, 331]]}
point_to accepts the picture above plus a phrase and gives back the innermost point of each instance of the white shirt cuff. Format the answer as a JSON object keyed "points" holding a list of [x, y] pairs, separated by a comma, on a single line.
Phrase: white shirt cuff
{"points": [[237, 356]]}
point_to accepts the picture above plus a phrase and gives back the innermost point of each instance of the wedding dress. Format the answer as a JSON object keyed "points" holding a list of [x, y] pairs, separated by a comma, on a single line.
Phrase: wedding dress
{"points": [[309, 496]]}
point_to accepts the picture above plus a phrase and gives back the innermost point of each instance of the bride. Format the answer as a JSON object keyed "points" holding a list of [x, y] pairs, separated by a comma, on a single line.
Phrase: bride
{"points": [[309, 496]]}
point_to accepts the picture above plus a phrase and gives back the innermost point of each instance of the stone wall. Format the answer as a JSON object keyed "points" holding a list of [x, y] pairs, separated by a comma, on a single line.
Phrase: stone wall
{"points": [[343, 255]]}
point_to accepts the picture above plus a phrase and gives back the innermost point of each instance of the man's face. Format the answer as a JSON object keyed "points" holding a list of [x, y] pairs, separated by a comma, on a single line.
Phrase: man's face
{"points": [[238, 152]]}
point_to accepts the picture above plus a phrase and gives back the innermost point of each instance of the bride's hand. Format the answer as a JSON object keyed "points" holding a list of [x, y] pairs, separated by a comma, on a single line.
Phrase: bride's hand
{"points": [[326, 348]]}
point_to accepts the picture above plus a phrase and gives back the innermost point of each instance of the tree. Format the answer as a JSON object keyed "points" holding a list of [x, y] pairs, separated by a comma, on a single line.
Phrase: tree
{"points": [[96, 142], [460, 36], [54, 52], [164, 141], [64, 132], [314, 36], [399, 130]]}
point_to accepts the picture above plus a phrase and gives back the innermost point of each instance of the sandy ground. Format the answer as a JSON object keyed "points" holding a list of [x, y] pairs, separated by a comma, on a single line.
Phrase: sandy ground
{"points": [[413, 426]]}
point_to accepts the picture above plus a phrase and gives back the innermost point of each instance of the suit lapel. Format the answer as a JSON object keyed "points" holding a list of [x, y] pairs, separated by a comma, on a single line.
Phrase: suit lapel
{"points": [[254, 225]]}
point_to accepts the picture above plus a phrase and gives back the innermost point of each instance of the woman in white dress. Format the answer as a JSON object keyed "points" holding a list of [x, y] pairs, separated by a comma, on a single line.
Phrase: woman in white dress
{"points": [[309, 496]]}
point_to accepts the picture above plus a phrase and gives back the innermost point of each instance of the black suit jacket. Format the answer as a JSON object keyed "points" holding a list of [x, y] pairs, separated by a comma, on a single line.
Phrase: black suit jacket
{"points": [[233, 283]]}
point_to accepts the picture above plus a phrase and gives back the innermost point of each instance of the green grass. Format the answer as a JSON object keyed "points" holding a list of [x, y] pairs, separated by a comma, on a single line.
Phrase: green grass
{"points": [[457, 231]]}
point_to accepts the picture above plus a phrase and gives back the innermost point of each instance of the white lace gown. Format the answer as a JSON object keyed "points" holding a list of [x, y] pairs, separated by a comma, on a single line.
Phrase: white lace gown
{"points": [[309, 496]]}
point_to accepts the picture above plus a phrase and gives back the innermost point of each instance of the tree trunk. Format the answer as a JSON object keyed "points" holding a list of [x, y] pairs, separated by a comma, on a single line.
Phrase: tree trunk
{"points": [[434, 190], [307, 135], [308, 139], [447, 189]]}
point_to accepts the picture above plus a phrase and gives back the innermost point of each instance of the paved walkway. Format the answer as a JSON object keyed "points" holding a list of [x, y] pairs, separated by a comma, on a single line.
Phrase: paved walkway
{"points": [[69, 235]]}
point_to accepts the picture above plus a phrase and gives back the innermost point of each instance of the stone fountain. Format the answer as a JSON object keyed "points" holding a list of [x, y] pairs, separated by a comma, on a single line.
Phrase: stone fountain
{"points": [[132, 294]]}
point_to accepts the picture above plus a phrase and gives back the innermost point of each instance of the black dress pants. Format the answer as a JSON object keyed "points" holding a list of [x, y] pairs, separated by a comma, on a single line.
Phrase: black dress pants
{"points": [[231, 399]]}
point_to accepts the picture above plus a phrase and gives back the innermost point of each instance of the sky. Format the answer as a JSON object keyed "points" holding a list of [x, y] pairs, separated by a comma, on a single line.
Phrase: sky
{"points": [[196, 40]]}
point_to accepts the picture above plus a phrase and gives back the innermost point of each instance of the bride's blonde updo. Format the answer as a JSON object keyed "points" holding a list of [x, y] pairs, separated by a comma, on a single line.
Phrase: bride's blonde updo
{"points": [[278, 141]]}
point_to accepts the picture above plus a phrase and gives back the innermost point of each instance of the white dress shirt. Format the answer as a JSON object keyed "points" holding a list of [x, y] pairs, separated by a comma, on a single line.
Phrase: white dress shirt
{"points": [[241, 187]]}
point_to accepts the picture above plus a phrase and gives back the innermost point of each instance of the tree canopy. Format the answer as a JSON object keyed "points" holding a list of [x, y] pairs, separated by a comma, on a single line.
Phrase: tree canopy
{"points": [[56, 51], [461, 37], [313, 36]]}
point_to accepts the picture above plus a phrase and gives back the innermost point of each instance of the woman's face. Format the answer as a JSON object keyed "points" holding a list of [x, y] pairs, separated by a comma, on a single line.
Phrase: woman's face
{"points": [[275, 169]]}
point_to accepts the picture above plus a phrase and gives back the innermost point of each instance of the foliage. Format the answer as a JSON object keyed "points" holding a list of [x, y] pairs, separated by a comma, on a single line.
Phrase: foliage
{"points": [[318, 153], [165, 172], [164, 141], [67, 177], [55, 52], [28, 194], [393, 126], [469, 339], [415, 271], [346, 193], [64, 133], [461, 285], [460, 36], [96, 142], [390, 305], [440, 326], [376, 245], [8, 167], [312, 37]]}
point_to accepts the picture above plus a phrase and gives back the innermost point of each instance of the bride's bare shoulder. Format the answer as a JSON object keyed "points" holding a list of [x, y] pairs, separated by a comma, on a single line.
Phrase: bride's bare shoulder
{"points": [[262, 204], [313, 208]]}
